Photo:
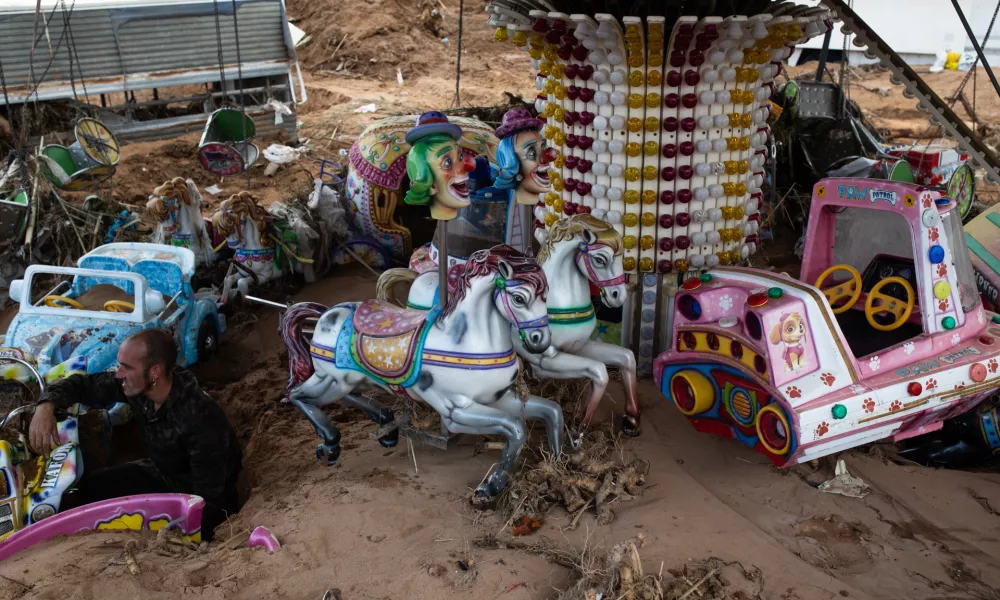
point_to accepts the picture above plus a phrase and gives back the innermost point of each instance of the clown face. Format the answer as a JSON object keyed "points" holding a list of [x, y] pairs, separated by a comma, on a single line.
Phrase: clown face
{"points": [[534, 159], [451, 169]]}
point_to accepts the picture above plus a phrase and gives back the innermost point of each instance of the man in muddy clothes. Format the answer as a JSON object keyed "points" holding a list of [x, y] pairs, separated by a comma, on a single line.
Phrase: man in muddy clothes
{"points": [[192, 447]]}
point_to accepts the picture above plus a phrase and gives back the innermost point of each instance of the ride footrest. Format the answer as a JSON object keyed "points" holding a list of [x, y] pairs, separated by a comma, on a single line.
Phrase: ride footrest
{"points": [[442, 440]]}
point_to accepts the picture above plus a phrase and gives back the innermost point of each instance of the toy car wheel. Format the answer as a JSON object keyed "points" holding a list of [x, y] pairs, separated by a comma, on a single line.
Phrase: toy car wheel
{"points": [[208, 340]]}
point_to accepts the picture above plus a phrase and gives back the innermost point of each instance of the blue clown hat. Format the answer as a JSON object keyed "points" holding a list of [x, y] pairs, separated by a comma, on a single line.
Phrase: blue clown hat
{"points": [[431, 123]]}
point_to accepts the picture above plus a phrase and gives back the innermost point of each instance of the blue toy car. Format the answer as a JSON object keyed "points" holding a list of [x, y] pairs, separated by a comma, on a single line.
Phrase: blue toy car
{"points": [[72, 320]]}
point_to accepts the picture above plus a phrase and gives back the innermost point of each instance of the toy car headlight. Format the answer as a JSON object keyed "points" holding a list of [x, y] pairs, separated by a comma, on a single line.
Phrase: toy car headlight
{"points": [[16, 287], [689, 307], [154, 301]]}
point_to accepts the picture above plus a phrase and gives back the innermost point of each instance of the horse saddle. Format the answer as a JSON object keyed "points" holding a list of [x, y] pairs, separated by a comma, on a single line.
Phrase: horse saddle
{"points": [[387, 338]]}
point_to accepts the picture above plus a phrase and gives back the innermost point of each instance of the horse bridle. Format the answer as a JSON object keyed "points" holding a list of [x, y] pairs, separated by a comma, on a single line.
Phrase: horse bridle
{"points": [[583, 257], [502, 285]]}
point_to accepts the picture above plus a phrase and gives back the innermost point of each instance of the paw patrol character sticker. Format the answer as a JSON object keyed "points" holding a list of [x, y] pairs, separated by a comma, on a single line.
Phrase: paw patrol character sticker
{"points": [[790, 346], [788, 334]]}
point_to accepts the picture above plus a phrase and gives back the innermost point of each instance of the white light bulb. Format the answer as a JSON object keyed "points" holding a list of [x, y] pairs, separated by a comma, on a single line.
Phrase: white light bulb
{"points": [[719, 145], [734, 32], [600, 146], [713, 237], [701, 194], [723, 96], [540, 83], [712, 261], [601, 76], [715, 190], [599, 168], [709, 75], [535, 64], [762, 93], [758, 180], [748, 43], [615, 58], [600, 123], [590, 44], [696, 260], [715, 214], [716, 57], [728, 74], [615, 195], [599, 57], [618, 98], [617, 122], [750, 206], [540, 104], [780, 54], [721, 120], [616, 146], [698, 239], [601, 98], [703, 146], [747, 250], [735, 55], [718, 168], [615, 170], [706, 97], [614, 217], [759, 31], [598, 213], [705, 122], [599, 191], [702, 170], [618, 77]]}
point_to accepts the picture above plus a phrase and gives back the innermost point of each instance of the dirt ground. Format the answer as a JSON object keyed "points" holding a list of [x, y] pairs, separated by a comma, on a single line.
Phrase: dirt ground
{"points": [[379, 527]]}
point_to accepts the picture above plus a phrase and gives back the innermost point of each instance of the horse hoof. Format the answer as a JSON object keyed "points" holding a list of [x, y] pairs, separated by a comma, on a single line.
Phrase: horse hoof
{"points": [[329, 453], [630, 426], [390, 439], [482, 498]]}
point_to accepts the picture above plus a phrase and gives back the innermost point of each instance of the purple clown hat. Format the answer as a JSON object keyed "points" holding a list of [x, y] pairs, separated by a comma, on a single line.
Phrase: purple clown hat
{"points": [[518, 119], [430, 123]]}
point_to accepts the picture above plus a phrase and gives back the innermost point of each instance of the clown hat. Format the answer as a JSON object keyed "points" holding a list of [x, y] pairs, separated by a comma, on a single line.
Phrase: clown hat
{"points": [[518, 119], [430, 123]]}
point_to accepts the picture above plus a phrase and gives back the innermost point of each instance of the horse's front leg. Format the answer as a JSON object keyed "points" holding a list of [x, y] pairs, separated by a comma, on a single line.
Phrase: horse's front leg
{"points": [[376, 411], [465, 416], [320, 390], [538, 409], [624, 359], [554, 364]]}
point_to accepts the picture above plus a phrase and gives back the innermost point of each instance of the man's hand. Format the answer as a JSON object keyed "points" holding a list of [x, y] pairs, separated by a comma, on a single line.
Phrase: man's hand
{"points": [[42, 434]]}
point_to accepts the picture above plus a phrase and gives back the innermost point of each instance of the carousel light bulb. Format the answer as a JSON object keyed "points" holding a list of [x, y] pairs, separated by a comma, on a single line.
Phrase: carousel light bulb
{"points": [[599, 213], [720, 121], [758, 180], [550, 219], [698, 216], [747, 43], [615, 58], [751, 205], [648, 219], [696, 260], [703, 146], [754, 227], [761, 94], [780, 54], [714, 214], [698, 239], [702, 169], [734, 31], [711, 261], [718, 167], [540, 83], [747, 229], [599, 57], [716, 57], [598, 191], [536, 65], [615, 195], [600, 146], [618, 77], [601, 76], [614, 217], [759, 116], [618, 98], [601, 98], [631, 197], [718, 145], [715, 190], [650, 148], [723, 96], [713, 237], [701, 194], [599, 168], [616, 146], [747, 250], [706, 97], [559, 205], [600, 122], [540, 104], [648, 196], [728, 74], [760, 30], [616, 170], [735, 55], [705, 122], [590, 43], [617, 122], [709, 75], [630, 220]]}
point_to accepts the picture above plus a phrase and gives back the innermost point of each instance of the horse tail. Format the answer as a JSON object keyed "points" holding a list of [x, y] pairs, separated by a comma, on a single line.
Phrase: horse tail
{"points": [[387, 282], [300, 365]]}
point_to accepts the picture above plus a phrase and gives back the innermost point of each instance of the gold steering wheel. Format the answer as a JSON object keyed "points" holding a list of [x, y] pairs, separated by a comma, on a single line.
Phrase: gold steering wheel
{"points": [[888, 304], [51, 301], [849, 290], [116, 306]]}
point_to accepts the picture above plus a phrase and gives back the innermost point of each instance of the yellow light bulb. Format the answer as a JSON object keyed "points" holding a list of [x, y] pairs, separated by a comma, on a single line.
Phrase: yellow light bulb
{"points": [[681, 265], [744, 143], [652, 100], [652, 123], [632, 174], [629, 242], [735, 119], [501, 34], [630, 220], [551, 197], [634, 100], [535, 53], [650, 148], [520, 38], [747, 120], [633, 149], [729, 188], [741, 189], [649, 172], [648, 219], [560, 137], [732, 144], [730, 167], [559, 205], [723, 257], [742, 167], [654, 77], [635, 78], [656, 61], [560, 92], [558, 70], [545, 68], [635, 61], [727, 212], [628, 263], [738, 213], [634, 125], [646, 264], [648, 196], [631, 196], [550, 219], [558, 185], [550, 53]]}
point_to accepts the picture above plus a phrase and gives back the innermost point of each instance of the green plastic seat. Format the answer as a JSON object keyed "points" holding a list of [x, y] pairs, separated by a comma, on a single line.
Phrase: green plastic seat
{"points": [[87, 162], [13, 215], [225, 147]]}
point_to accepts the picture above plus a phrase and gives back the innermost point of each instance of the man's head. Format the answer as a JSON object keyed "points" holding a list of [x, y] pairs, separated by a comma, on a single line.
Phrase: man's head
{"points": [[145, 359]]}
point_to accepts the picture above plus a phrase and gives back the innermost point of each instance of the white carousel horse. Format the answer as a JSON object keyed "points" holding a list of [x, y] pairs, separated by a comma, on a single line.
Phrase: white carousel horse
{"points": [[577, 250], [246, 227], [176, 208], [459, 359]]}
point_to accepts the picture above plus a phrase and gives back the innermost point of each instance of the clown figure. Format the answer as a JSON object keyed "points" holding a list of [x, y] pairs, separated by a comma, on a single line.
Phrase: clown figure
{"points": [[437, 169]]}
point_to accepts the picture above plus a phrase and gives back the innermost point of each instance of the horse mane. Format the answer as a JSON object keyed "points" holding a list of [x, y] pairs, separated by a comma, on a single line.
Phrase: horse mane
{"points": [[173, 188], [565, 229], [225, 220], [485, 262], [300, 366]]}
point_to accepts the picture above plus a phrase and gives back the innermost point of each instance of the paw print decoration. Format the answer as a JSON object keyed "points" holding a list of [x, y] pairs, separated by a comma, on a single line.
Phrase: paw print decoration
{"points": [[725, 302], [933, 234], [993, 365], [926, 201], [793, 392], [869, 405], [942, 270], [895, 406], [874, 363], [931, 383], [943, 305], [822, 428], [827, 379]]}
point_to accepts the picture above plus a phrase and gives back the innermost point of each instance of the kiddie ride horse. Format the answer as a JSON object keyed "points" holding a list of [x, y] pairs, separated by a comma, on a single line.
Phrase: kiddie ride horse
{"points": [[459, 359], [176, 208], [28, 508], [260, 254]]}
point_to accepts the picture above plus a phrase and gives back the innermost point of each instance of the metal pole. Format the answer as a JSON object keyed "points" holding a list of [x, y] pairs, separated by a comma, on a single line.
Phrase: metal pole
{"points": [[975, 44], [823, 54], [442, 245]]}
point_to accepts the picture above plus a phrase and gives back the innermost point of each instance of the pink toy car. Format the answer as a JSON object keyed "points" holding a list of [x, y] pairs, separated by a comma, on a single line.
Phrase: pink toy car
{"points": [[799, 369]]}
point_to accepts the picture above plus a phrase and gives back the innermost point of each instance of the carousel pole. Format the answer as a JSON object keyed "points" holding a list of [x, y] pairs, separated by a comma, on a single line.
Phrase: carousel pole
{"points": [[442, 235]]}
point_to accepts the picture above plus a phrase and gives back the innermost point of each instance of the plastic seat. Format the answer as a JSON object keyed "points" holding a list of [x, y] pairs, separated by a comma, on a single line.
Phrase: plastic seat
{"points": [[90, 160], [225, 147], [13, 215]]}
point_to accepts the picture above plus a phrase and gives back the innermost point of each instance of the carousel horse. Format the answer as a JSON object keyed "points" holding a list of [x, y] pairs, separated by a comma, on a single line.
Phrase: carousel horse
{"points": [[459, 359], [247, 228], [175, 206], [578, 251]]}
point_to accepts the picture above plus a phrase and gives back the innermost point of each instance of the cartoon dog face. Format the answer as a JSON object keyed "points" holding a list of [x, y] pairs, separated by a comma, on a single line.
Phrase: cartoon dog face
{"points": [[789, 329]]}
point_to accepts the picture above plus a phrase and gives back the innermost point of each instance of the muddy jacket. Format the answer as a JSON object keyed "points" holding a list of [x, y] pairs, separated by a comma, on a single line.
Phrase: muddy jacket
{"points": [[188, 439]]}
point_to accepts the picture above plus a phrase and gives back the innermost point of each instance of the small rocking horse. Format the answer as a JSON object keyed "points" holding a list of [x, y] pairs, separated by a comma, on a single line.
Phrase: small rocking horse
{"points": [[246, 227], [459, 359], [578, 250], [176, 208]]}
